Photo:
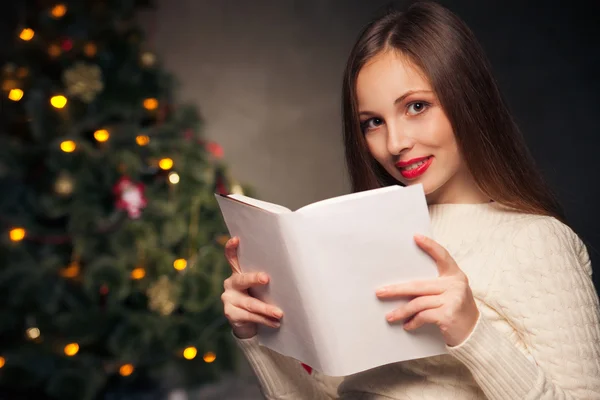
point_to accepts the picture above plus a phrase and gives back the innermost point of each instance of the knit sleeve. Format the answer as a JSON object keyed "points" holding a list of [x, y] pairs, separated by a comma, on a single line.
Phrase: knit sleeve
{"points": [[284, 378], [546, 293]]}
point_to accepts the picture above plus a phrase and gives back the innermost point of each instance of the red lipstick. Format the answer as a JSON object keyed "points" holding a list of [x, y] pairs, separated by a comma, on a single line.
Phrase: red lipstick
{"points": [[414, 172]]}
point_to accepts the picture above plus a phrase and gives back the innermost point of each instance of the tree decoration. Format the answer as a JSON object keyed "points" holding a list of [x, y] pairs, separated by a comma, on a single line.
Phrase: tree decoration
{"points": [[113, 253], [215, 149], [130, 197], [161, 296], [148, 59], [83, 81], [64, 184]]}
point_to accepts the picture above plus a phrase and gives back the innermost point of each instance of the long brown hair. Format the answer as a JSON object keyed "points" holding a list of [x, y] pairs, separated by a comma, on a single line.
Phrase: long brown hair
{"points": [[446, 50]]}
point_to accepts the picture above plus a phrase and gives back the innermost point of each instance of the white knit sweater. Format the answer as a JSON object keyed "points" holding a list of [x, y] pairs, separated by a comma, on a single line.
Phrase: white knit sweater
{"points": [[538, 336]]}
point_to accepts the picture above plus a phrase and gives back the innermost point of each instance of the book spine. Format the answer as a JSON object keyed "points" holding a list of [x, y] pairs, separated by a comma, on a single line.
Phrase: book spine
{"points": [[303, 258]]}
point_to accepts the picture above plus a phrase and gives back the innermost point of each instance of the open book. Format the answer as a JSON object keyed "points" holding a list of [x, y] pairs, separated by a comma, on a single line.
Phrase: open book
{"points": [[325, 261]]}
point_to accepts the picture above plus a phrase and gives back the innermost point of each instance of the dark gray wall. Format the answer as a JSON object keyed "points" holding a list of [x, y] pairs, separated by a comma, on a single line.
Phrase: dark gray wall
{"points": [[266, 75]]}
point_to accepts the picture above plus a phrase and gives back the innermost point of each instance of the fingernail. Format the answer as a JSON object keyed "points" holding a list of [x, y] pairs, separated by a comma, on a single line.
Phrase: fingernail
{"points": [[262, 278], [419, 237], [276, 324], [278, 313], [389, 316], [381, 291]]}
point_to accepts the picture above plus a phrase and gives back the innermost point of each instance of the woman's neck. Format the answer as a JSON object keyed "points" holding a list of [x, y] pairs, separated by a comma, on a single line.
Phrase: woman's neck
{"points": [[460, 189]]}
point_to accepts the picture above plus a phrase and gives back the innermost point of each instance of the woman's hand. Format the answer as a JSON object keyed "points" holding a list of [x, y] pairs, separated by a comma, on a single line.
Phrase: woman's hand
{"points": [[446, 301], [243, 311]]}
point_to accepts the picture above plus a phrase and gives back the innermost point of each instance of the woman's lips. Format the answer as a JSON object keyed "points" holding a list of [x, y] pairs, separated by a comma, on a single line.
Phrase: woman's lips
{"points": [[414, 168]]}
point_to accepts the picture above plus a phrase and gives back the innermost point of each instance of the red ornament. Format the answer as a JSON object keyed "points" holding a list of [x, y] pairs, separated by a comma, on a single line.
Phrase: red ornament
{"points": [[215, 149], [307, 368], [220, 186], [130, 197], [67, 44]]}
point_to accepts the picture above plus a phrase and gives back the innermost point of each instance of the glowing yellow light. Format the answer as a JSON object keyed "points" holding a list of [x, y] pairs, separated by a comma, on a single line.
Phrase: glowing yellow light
{"points": [[33, 333], [142, 140], [17, 234], [180, 264], [174, 178], [71, 349], [15, 94], [2, 362], [165, 163], [68, 146], [54, 50], [72, 271], [58, 101], [150, 104], [101, 135], [190, 353], [126, 370], [222, 239], [138, 273], [210, 357], [90, 49], [27, 34], [59, 11], [237, 189]]}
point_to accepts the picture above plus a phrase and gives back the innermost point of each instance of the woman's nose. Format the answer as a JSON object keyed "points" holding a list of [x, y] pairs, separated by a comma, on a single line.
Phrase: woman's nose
{"points": [[398, 140]]}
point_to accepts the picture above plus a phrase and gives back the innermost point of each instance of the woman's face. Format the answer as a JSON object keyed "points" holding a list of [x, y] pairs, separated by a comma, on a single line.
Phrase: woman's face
{"points": [[407, 131]]}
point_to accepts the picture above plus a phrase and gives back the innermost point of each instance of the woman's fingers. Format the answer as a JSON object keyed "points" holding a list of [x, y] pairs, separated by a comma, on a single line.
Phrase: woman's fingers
{"points": [[244, 281], [239, 316], [256, 306], [415, 288], [231, 254], [429, 316], [414, 306]]}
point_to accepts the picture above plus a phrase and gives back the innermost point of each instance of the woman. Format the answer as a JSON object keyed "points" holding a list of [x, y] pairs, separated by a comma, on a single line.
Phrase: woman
{"points": [[514, 299]]}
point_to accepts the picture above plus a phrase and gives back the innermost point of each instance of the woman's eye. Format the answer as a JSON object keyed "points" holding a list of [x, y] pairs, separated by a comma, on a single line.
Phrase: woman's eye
{"points": [[371, 123], [417, 107]]}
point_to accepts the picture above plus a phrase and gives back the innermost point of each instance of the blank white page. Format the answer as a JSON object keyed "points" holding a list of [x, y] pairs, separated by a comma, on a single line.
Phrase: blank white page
{"points": [[357, 247]]}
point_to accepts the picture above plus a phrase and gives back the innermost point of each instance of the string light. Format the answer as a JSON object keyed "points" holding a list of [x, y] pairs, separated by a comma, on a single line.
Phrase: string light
{"points": [[17, 234], [101, 135], [142, 140], [15, 94], [71, 349], [180, 264], [68, 146], [138, 273], [209, 357], [165, 163], [72, 271], [126, 370], [22, 72], [190, 353], [54, 50], [150, 104], [27, 34], [58, 101], [237, 189], [174, 178], [58, 11], [90, 49], [33, 333], [2, 362]]}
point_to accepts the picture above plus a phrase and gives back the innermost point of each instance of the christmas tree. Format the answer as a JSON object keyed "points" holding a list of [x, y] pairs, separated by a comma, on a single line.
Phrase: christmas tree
{"points": [[111, 257]]}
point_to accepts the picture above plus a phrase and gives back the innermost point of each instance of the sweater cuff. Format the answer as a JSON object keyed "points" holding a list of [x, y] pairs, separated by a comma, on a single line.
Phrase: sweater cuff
{"points": [[275, 372], [496, 364]]}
